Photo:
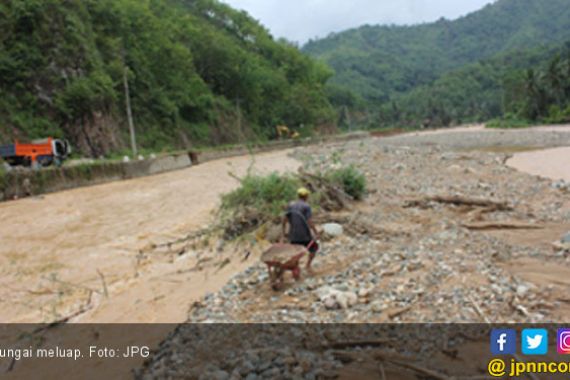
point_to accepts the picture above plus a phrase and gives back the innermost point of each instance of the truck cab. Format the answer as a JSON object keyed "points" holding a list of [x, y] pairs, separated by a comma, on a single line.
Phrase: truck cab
{"points": [[37, 153]]}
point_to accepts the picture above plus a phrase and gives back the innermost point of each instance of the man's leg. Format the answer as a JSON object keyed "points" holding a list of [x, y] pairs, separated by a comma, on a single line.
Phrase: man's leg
{"points": [[311, 258], [312, 247]]}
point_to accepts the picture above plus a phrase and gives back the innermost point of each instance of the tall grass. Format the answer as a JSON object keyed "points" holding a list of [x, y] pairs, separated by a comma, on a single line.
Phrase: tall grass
{"points": [[350, 179], [267, 194], [263, 199]]}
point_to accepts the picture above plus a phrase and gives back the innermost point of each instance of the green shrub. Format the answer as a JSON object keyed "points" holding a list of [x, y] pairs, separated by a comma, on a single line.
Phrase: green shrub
{"points": [[257, 201], [352, 181], [508, 121], [263, 199], [266, 194], [556, 115]]}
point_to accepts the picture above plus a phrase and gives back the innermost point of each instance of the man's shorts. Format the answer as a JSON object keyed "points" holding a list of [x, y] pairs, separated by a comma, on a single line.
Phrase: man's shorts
{"points": [[313, 248]]}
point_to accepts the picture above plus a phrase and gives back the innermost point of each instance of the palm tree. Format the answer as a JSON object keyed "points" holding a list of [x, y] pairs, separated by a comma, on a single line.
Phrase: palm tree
{"points": [[566, 71], [554, 78], [535, 95]]}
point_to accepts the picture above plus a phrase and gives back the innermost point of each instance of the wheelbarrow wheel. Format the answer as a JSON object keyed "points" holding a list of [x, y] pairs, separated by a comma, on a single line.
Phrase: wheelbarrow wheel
{"points": [[276, 276]]}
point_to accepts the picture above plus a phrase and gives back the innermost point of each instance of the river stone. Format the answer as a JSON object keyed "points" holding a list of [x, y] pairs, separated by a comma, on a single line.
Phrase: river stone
{"points": [[333, 229], [330, 303], [220, 375], [377, 306], [522, 290], [566, 238], [271, 373]]}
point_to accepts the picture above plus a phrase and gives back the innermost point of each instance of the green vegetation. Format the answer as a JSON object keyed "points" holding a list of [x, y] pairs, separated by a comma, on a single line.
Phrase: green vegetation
{"points": [[509, 121], [476, 93], [263, 199], [258, 200], [200, 73], [350, 179], [203, 74], [542, 93], [443, 73], [270, 193]]}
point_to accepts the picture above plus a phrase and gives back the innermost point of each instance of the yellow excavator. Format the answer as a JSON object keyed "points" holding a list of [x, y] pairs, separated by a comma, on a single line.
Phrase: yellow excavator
{"points": [[283, 132]]}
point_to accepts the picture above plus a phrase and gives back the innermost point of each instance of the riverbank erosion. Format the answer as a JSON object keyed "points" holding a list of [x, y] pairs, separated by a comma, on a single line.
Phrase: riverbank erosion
{"points": [[447, 233]]}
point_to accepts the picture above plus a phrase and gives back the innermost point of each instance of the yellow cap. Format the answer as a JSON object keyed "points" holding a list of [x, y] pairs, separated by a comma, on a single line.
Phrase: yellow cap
{"points": [[303, 192]]}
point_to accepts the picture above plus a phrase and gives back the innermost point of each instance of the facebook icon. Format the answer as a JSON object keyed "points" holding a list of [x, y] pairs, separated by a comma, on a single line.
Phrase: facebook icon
{"points": [[503, 342]]}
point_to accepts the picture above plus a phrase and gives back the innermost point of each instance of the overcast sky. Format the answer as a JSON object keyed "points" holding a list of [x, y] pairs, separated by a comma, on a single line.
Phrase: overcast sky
{"points": [[299, 20]]}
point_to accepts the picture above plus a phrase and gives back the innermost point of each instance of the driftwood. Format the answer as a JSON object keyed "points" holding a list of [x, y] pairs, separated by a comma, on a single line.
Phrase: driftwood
{"points": [[197, 268], [168, 247], [358, 343], [489, 204], [84, 309], [382, 372], [393, 359], [420, 369], [223, 264], [401, 311], [248, 219], [104, 283], [513, 225], [333, 197], [478, 309], [352, 356]]}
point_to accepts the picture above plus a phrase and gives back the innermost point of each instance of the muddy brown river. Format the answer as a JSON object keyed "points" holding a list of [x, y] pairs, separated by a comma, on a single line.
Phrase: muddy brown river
{"points": [[549, 163], [62, 252], [79, 247]]}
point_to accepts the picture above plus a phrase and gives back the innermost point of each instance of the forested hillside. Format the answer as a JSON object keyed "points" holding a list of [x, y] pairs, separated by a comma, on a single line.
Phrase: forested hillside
{"points": [[379, 63], [488, 89], [199, 73]]}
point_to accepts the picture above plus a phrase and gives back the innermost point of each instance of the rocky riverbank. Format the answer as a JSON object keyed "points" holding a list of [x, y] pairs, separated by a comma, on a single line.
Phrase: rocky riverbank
{"points": [[443, 236], [407, 256]]}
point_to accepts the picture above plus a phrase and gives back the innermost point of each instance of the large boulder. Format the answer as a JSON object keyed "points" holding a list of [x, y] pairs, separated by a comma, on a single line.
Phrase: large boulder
{"points": [[564, 244], [332, 229], [334, 299]]}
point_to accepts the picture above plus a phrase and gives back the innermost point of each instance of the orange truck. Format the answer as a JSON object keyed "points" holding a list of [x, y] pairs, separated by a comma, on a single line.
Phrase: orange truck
{"points": [[37, 153]]}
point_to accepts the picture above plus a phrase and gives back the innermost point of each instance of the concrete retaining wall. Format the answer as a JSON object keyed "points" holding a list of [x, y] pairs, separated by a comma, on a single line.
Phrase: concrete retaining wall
{"points": [[22, 183]]}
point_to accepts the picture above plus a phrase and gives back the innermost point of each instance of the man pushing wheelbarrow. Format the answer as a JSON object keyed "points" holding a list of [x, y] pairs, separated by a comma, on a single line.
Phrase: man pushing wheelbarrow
{"points": [[299, 218], [303, 238]]}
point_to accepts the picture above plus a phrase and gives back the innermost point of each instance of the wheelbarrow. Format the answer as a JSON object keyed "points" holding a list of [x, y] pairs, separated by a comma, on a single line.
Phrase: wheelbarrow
{"points": [[281, 258]]}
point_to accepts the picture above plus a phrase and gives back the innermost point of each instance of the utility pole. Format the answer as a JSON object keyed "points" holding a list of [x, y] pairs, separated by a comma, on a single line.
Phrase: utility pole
{"points": [[238, 110], [347, 118], [129, 112]]}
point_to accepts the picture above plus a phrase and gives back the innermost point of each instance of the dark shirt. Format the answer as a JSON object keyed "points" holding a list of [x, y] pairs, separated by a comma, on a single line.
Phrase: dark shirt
{"points": [[299, 213]]}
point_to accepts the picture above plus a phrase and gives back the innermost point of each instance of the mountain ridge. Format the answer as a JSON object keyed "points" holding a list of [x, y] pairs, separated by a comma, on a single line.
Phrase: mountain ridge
{"points": [[379, 61], [200, 73]]}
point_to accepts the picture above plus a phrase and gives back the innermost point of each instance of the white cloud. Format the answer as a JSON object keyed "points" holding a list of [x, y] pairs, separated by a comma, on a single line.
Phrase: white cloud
{"points": [[300, 20]]}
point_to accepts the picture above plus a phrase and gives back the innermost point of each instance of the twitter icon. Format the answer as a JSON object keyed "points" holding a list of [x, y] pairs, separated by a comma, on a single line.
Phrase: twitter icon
{"points": [[534, 342]]}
